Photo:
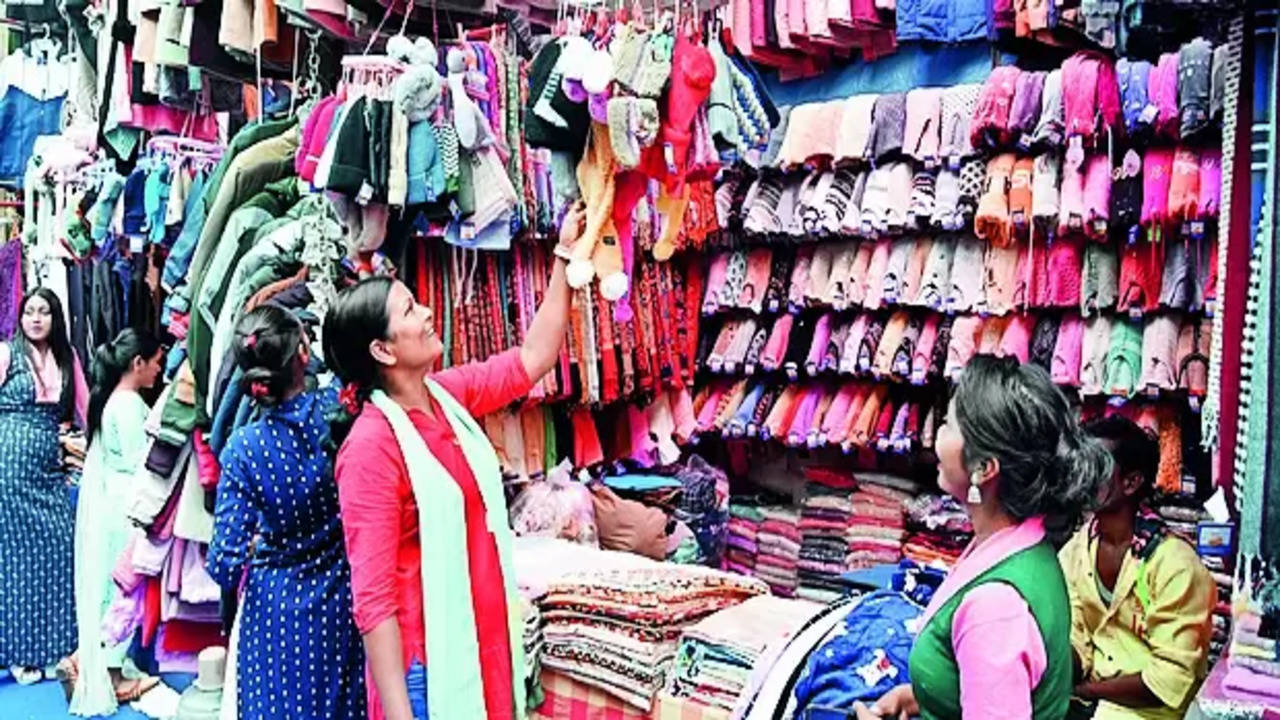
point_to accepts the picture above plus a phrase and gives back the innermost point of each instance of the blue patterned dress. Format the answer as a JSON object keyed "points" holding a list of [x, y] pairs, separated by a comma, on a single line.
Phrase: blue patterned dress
{"points": [[300, 652], [37, 600]]}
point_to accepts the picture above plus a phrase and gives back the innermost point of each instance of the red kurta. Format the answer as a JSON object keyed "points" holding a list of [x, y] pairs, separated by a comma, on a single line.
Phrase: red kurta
{"points": [[379, 512]]}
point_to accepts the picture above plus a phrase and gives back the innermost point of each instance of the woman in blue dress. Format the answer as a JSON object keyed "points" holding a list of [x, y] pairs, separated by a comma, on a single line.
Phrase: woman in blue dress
{"points": [[300, 655], [41, 388]]}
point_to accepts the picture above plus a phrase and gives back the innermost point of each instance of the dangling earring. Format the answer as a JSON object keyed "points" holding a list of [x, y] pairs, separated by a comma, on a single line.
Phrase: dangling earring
{"points": [[975, 488]]}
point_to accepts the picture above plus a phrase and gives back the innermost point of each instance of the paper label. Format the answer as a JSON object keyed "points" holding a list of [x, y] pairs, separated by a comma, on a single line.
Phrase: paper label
{"points": [[365, 194]]}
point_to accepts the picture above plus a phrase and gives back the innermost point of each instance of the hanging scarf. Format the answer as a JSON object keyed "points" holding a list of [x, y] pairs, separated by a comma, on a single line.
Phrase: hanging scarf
{"points": [[455, 686]]}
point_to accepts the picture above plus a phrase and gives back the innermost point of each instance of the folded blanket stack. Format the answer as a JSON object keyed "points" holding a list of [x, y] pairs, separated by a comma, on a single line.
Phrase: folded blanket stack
{"points": [[938, 530], [824, 525], [532, 637], [745, 518], [779, 549], [877, 529], [716, 655], [617, 629]]}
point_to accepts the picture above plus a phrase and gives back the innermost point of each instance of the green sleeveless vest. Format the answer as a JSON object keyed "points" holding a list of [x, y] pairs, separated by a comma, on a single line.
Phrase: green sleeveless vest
{"points": [[1037, 576]]}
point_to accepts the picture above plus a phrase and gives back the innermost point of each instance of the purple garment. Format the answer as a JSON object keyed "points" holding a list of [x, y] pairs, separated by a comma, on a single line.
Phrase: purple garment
{"points": [[1025, 113], [123, 616], [1134, 76], [1256, 685], [10, 287], [197, 585], [149, 555], [174, 662]]}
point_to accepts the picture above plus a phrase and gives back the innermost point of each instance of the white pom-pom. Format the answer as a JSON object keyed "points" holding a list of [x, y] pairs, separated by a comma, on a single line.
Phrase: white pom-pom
{"points": [[579, 273], [424, 52], [599, 72], [457, 61], [575, 56], [614, 285], [400, 48]]}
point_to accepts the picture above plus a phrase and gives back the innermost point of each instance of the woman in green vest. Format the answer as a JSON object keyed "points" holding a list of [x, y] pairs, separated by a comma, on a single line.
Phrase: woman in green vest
{"points": [[995, 642]]}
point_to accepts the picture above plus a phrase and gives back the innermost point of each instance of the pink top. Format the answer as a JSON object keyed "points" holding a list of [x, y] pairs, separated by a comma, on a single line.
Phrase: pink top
{"points": [[998, 646], [49, 382]]}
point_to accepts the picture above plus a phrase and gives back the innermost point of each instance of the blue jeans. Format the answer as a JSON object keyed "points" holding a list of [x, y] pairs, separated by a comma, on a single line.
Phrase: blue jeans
{"points": [[416, 680]]}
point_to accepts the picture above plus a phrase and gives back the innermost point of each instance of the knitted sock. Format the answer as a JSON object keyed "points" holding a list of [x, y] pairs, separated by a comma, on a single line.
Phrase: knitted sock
{"points": [[717, 274], [973, 178], [1157, 175], [818, 345], [923, 189], [914, 278], [1045, 195], [1016, 341], [873, 297], [992, 332], [1071, 214], [1126, 193], [776, 348], [992, 222], [946, 211], [682, 413], [779, 279], [759, 264], [819, 273], [853, 341], [1097, 196], [1020, 198], [1044, 338], [963, 344], [841, 276], [1065, 369], [1184, 186], [935, 283], [799, 278], [922, 357]]}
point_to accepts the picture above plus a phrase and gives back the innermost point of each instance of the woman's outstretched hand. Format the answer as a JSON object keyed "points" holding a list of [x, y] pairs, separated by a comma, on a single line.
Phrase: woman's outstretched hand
{"points": [[899, 704], [575, 221]]}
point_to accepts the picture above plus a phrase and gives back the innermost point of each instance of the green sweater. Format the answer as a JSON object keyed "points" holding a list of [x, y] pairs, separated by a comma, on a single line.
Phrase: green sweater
{"points": [[1037, 576]]}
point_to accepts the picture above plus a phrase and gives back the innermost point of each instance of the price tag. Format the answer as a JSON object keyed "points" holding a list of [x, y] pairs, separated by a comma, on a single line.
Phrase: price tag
{"points": [[1194, 402], [467, 231], [1153, 391], [953, 163], [1135, 313], [1024, 143], [1148, 114], [1197, 229], [1133, 235], [365, 194], [1075, 151]]}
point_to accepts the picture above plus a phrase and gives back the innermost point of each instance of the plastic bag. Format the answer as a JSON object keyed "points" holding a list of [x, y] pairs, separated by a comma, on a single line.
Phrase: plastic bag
{"points": [[557, 506]]}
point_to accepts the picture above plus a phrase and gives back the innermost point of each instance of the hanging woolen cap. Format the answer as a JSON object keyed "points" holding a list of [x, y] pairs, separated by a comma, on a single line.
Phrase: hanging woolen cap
{"points": [[135, 211], [350, 170]]}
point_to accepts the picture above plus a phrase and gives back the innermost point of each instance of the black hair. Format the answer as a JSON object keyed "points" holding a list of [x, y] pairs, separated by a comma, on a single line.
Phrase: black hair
{"points": [[1048, 465], [357, 318], [267, 340], [59, 345], [1133, 449], [110, 362]]}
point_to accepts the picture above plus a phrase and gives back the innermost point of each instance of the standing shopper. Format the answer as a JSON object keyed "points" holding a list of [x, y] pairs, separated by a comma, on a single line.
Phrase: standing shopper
{"points": [[41, 388], [423, 505], [277, 515], [117, 446], [995, 642]]}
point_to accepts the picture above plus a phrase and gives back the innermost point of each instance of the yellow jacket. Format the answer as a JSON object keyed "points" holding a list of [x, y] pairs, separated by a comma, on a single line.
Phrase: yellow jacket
{"points": [[1158, 625]]}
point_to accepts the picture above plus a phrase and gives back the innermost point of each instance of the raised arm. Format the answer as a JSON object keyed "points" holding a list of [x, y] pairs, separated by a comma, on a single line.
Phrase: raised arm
{"points": [[541, 348]]}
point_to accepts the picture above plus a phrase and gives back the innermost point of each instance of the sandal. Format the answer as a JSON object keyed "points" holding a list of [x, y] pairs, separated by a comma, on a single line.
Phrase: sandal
{"points": [[26, 675], [67, 672], [130, 690]]}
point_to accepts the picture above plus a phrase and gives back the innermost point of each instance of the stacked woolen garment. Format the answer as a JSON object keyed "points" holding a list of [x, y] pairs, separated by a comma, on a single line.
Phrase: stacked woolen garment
{"points": [[716, 655], [779, 549], [939, 530], [877, 530], [612, 620], [745, 519], [824, 525]]}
